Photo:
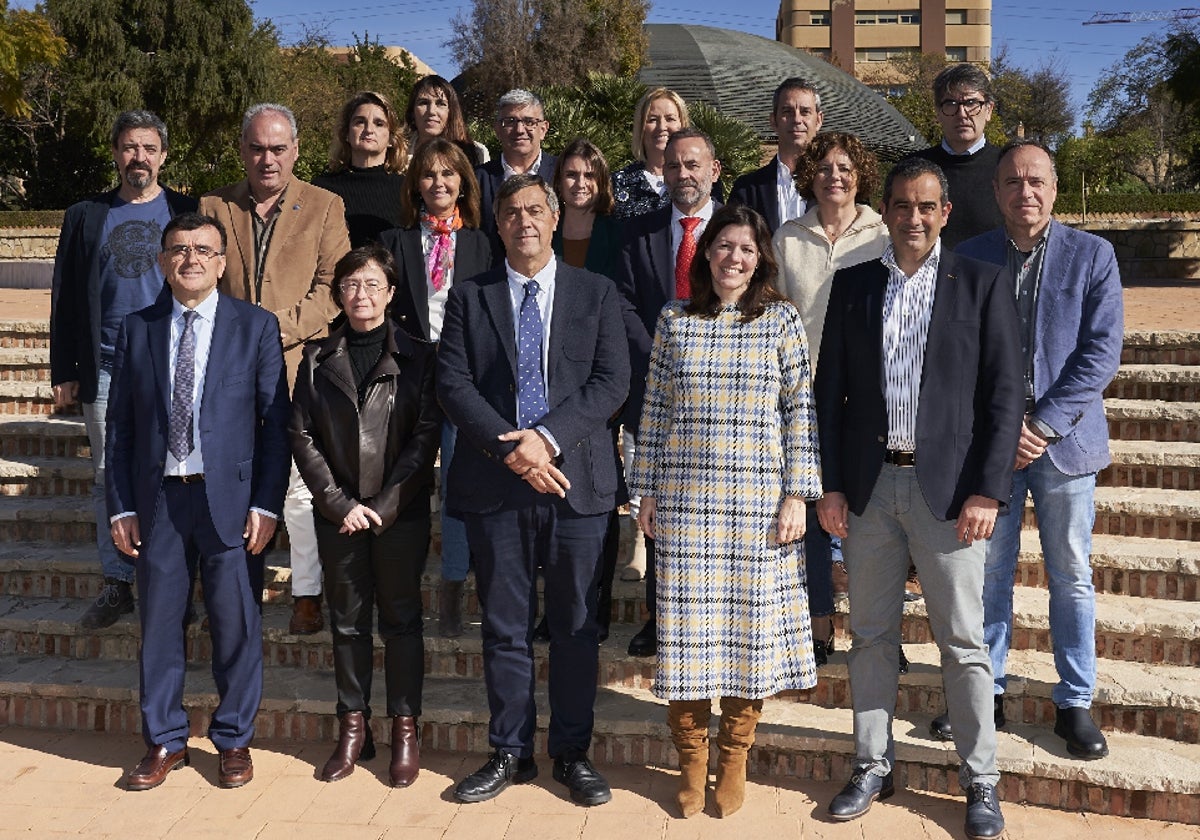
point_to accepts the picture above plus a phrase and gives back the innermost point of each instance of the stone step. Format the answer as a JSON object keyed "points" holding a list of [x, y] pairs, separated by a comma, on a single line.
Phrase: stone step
{"points": [[1136, 566], [1177, 383], [36, 475], [1153, 420], [60, 435], [26, 398], [1141, 512], [1161, 347], [1143, 776], [25, 332], [69, 519], [1168, 465], [25, 364], [1160, 700]]}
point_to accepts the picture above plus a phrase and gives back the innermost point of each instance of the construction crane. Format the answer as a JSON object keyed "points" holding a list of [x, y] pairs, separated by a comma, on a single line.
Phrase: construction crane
{"points": [[1141, 17]]}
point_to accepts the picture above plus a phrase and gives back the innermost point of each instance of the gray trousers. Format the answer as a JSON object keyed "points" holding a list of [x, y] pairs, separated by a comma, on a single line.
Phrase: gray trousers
{"points": [[897, 524]]}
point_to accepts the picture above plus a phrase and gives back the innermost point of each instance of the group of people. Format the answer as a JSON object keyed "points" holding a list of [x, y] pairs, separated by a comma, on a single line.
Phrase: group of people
{"points": [[569, 340]]}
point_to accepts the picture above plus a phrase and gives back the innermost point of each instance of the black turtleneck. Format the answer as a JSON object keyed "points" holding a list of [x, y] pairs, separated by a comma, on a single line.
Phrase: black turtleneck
{"points": [[372, 198], [364, 348]]}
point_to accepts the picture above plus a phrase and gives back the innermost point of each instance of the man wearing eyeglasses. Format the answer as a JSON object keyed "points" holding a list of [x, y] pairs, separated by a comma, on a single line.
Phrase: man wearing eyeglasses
{"points": [[962, 95], [285, 237], [197, 467], [521, 126], [104, 269]]}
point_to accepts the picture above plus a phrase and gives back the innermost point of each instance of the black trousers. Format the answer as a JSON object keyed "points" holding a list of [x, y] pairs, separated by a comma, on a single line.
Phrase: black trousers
{"points": [[364, 570]]}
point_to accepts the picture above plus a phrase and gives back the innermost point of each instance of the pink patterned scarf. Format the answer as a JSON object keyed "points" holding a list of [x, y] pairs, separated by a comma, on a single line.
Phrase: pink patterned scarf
{"points": [[441, 255]]}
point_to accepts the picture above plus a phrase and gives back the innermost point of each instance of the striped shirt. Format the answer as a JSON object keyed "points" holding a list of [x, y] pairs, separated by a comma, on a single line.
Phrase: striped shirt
{"points": [[907, 306]]}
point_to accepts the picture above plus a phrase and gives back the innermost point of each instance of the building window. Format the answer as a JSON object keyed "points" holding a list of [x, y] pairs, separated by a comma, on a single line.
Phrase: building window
{"points": [[956, 17], [956, 53], [886, 18], [882, 54], [818, 18]]}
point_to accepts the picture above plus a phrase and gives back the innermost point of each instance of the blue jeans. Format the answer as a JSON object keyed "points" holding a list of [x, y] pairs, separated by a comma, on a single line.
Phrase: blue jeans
{"points": [[1065, 512], [456, 557], [113, 564]]}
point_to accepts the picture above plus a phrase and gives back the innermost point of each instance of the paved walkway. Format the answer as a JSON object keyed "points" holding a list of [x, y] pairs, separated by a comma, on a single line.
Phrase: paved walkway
{"points": [[69, 784]]}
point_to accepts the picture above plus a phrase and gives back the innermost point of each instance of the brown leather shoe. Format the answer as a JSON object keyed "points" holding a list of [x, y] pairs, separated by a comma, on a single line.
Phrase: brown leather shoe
{"points": [[234, 767], [306, 616], [406, 752], [354, 745], [152, 770]]}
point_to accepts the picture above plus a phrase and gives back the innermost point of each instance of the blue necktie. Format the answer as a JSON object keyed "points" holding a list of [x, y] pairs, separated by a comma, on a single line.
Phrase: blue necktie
{"points": [[179, 433], [531, 388]]}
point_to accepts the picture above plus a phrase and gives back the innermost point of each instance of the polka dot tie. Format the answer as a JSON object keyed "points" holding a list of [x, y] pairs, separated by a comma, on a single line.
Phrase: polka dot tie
{"points": [[531, 386], [179, 431], [683, 259]]}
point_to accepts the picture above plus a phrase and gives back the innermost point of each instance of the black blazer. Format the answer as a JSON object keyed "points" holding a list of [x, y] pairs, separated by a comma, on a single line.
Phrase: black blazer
{"points": [[75, 300], [410, 306], [491, 177], [758, 190], [586, 383], [971, 401]]}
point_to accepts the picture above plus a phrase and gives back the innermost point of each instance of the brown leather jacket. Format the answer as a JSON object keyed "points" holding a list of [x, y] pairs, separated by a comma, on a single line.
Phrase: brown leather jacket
{"points": [[380, 453]]}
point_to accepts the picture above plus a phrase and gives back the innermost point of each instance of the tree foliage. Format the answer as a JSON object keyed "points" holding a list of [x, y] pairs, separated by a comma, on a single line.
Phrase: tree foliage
{"points": [[26, 40], [1037, 101], [503, 44]]}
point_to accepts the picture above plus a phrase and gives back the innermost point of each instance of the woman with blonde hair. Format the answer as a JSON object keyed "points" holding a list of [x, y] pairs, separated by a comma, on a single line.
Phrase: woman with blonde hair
{"points": [[366, 162], [639, 187]]}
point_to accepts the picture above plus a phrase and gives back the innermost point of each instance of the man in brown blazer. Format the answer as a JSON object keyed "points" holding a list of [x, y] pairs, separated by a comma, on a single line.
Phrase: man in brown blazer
{"points": [[285, 236]]}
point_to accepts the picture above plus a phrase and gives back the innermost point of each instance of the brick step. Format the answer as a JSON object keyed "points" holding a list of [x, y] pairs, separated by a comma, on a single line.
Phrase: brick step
{"points": [[1137, 566], [1177, 383], [25, 364], [1161, 347], [28, 332], [1167, 465], [38, 475], [1160, 700], [59, 435], [1142, 777], [1141, 512], [26, 398], [69, 519], [1153, 420]]}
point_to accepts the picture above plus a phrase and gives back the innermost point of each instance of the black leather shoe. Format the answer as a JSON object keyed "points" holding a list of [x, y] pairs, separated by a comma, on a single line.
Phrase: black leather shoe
{"points": [[903, 663], [587, 786], [114, 601], [645, 641], [502, 769], [984, 820], [856, 797], [1084, 739], [940, 726], [541, 633]]}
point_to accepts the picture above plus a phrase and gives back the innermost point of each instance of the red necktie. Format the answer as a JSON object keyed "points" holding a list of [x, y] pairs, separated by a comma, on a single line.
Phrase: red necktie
{"points": [[683, 259]]}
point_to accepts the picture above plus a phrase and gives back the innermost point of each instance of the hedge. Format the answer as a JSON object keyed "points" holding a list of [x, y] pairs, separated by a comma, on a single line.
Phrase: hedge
{"points": [[1163, 203], [31, 218]]}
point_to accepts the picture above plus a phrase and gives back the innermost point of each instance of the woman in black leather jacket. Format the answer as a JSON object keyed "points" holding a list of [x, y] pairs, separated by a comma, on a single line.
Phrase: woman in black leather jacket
{"points": [[365, 429]]}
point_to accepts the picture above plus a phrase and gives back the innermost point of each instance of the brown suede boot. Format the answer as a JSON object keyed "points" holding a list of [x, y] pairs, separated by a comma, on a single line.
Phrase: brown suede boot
{"points": [[735, 736], [354, 744], [688, 720], [406, 752]]}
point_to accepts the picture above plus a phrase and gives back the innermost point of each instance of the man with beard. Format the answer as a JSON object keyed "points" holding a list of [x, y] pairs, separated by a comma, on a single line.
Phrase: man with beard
{"points": [[105, 268], [654, 269]]}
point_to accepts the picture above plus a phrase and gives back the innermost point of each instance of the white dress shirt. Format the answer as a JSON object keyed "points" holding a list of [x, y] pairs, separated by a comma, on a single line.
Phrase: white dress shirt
{"points": [[791, 204], [436, 298], [510, 171], [545, 301], [907, 307]]}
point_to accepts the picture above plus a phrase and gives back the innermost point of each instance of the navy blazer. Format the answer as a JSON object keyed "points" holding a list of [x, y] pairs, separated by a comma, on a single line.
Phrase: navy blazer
{"points": [[971, 403], [410, 305], [243, 416], [646, 280], [586, 384], [1079, 329], [759, 190], [491, 177], [75, 300]]}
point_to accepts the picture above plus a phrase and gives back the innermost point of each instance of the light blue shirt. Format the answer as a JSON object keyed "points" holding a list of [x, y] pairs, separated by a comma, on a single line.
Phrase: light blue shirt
{"points": [[545, 302], [972, 149], [202, 327]]}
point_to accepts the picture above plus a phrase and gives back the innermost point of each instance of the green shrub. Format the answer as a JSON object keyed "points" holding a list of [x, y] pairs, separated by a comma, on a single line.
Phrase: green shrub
{"points": [[1161, 203], [30, 218]]}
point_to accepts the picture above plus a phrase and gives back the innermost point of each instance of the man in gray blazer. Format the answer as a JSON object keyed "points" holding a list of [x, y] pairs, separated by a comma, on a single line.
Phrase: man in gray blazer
{"points": [[1068, 294]]}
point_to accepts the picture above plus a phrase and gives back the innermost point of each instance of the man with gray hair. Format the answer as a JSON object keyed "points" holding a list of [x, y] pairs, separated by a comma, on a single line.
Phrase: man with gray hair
{"points": [[105, 268], [521, 127], [285, 236]]}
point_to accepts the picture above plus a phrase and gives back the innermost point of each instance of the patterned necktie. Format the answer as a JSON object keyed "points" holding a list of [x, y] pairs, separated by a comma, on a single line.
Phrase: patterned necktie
{"points": [[179, 433], [531, 388], [683, 259]]}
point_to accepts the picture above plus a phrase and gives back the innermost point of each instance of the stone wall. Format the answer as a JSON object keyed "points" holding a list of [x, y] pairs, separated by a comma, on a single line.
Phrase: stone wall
{"points": [[28, 243]]}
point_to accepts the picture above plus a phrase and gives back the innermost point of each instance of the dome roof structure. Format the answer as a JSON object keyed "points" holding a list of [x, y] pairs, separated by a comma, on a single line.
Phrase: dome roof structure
{"points": [[737, 73]]}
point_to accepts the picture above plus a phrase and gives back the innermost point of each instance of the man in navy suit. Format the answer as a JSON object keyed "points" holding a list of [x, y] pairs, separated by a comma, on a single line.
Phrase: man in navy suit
{"points": [[521, 126], [532, 363], [1068, 294], [796, 118], [198, 460], [653, 270], [919, 409]]}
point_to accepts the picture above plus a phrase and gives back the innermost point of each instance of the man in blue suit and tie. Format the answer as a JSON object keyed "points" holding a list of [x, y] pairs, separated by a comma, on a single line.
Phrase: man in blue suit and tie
{"points": [[532, 363], [198, 460], [1069, 302]]}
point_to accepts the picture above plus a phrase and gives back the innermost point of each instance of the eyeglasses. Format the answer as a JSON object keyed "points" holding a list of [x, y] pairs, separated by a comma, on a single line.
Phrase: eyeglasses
{"points": [[509, 123], [970, 107], [202, 252], [352, 287]]}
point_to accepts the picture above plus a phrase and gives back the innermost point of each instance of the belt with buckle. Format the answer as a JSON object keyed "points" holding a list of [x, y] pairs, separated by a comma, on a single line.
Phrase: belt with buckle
{"points": [[185, 479], [899, 457]]}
